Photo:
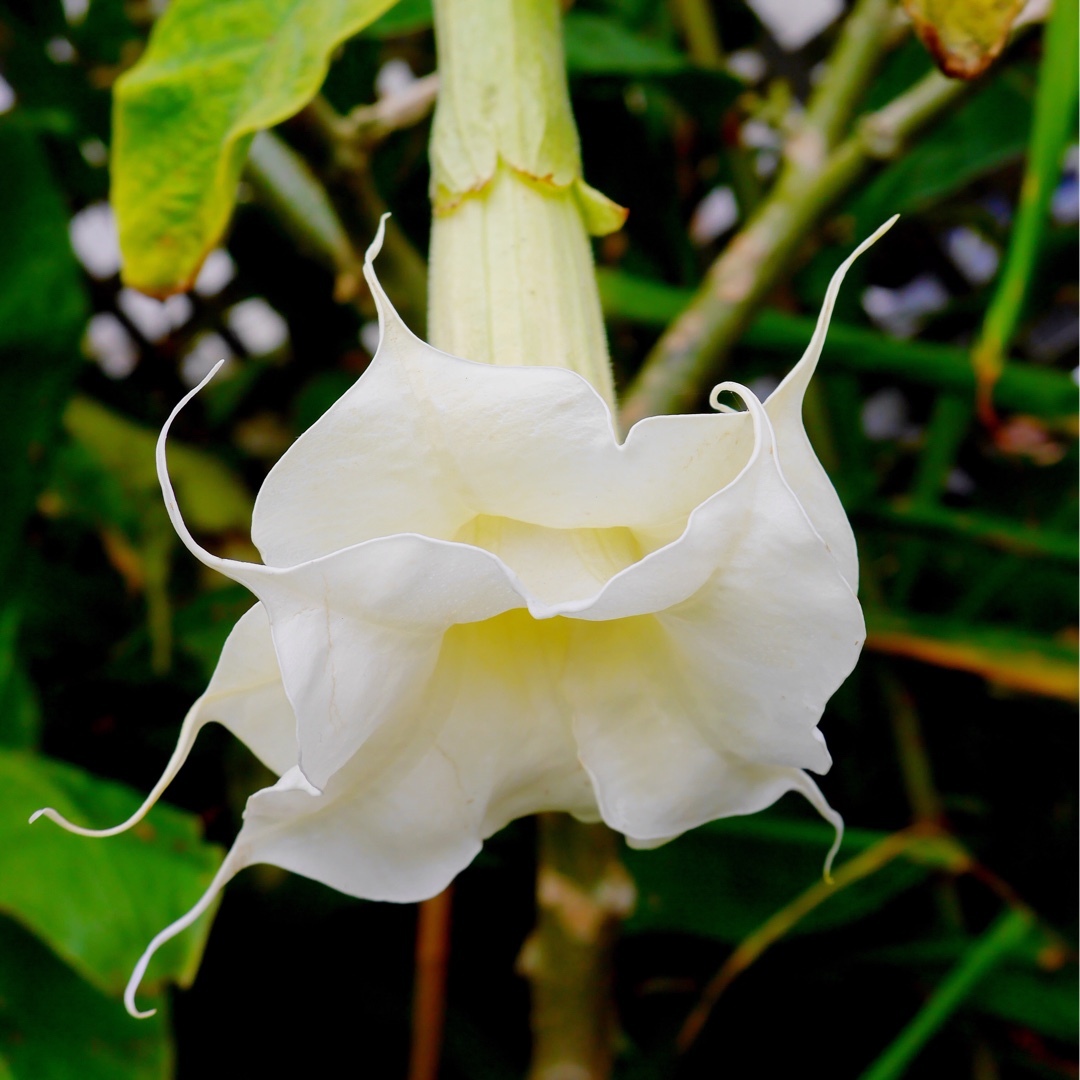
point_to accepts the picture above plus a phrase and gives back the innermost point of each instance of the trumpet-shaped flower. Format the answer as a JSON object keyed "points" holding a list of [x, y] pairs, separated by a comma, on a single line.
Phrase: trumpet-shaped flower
{"points": [[476, 603]]}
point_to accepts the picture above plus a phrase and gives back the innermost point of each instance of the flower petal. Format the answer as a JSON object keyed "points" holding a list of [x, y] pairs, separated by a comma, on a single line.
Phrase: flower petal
{"points": [[754, 628], [245, 695], [508, 723], [746, 531], [489, 742], [358, 633], [423, 442], [801, 467], [641, 732]]}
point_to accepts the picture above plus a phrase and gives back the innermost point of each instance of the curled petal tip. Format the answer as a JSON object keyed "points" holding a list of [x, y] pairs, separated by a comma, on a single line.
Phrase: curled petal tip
{"points": [[58, 819], [833, 851], [723, 388], [79, 830], [876, 235], [233, 862], [139, 1014], [376, 244], [140, 971]]}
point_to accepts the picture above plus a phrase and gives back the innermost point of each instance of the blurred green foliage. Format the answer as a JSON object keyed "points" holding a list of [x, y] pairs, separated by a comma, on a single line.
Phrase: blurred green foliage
{"points": [[960, 717]]}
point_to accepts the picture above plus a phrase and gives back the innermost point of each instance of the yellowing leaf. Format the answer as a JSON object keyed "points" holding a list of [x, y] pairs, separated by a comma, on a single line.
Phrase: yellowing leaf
{"points": [[215, 498], [1005, 657], [215, 73], [963, 36]]}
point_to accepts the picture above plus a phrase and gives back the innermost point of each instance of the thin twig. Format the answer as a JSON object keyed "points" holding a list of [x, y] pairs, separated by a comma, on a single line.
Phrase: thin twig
{"points": [[348, 178], [864, 38], [286, 186], [429, 987], [692, 351], [370, 124], [990, 949], [781, 923], [699, 31]]}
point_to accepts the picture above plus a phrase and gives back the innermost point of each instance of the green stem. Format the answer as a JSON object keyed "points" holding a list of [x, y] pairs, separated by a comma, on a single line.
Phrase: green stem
{"points": [[947, 367], [1001, 533], [949, 423], [1052, 129], [1026, 388], [349, 181], [1009, 930], [937, 848], [693, 350], [915, 767], [699, 31], [582, 894], [863, 39], [284, 183]]}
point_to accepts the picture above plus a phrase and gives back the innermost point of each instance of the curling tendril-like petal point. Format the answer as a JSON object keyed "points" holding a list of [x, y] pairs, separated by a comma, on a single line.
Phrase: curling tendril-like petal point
{"points": [[229, 868], [192, 725]]}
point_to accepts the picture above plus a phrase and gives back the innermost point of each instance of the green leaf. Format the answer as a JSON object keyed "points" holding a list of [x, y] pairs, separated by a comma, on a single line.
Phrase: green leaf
{"points": [[109, 479], [725, 879], [20, 714], [42, 313], [97, 902], [986, 952], [1043, 1001], [405, 17], [638, 299], [213, 497], [1021, 990], [1003, 655], [214, 73], [203, 626], [596, 45], [41, 295], [53, 1026]]}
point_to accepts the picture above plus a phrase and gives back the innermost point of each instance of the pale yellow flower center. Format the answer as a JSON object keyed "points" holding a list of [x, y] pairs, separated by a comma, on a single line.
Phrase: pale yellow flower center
{"points": [[555, 565]]}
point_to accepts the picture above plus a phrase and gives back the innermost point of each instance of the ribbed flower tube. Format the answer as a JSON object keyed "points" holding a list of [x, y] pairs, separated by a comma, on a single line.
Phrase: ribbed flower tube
{"points": [[511, 277]]}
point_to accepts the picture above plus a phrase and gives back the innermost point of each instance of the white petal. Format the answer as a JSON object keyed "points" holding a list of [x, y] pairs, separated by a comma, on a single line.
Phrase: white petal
{"points": [[245, 695], [675, 572], [774, 630], [640, 726], [358, 633], [801, 467], [508, 723], [424, 442], [759, 630], [489, 742]]}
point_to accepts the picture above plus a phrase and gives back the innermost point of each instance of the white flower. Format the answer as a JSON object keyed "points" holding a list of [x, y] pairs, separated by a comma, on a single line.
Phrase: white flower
{"points": [[476, 603]]}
